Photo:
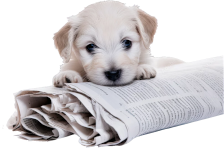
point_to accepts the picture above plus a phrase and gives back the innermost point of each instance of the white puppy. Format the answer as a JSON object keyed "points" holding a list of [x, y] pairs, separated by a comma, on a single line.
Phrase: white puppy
{"points": [[108, 44]]}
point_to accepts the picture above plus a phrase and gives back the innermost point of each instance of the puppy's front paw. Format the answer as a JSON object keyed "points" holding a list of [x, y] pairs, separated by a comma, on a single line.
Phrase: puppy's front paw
{"points": [[68, 76], [145, 71]]}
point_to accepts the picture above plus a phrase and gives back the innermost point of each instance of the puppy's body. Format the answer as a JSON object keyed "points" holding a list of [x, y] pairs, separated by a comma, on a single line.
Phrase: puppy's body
{"points": [[108, 44]]}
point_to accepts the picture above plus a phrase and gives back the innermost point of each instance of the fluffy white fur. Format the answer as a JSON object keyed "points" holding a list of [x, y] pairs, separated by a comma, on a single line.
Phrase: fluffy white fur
{"points": [[107, 24]]}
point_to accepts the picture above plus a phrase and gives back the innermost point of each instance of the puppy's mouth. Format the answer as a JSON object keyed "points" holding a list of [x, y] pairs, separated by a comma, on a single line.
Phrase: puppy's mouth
{"points": [[112, 83], [112, 78]]}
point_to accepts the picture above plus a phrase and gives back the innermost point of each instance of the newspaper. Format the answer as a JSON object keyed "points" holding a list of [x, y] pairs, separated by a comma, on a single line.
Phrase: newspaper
{"points": [[103, 116]]}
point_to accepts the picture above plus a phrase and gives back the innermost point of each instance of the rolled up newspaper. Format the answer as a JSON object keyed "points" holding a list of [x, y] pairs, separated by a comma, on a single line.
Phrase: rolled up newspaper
{"points": [[102, 115]]}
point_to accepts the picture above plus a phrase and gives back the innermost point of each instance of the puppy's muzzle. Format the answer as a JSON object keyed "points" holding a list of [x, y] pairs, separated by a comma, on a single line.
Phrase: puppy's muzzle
{"points": [[113, 75]]}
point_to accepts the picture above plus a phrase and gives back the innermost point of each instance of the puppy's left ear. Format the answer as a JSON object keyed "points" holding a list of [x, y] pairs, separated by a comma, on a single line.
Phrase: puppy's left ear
{"points": [[147, 27]]}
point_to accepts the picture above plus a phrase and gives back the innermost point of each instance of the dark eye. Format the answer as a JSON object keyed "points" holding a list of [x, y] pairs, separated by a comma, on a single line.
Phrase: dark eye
{"points": [[90, 48], [126, 44]]}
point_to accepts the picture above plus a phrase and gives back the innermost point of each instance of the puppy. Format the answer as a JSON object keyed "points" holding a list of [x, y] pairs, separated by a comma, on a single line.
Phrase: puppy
{"points": [[108, 44]]}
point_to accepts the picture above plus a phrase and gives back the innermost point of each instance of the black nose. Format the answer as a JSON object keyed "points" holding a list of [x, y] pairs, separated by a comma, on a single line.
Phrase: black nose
{"points": [[113, 75]]}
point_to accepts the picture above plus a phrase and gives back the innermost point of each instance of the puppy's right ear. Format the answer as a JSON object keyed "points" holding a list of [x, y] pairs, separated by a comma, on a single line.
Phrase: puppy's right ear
{"points": [[64, 38]]}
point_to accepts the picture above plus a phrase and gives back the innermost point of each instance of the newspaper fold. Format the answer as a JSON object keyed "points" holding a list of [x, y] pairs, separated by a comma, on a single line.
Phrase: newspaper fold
{"points": [[104, 116]]}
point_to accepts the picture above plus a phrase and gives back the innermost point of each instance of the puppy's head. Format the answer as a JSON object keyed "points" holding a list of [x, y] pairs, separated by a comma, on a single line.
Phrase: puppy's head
{"points": [[109, 39]]}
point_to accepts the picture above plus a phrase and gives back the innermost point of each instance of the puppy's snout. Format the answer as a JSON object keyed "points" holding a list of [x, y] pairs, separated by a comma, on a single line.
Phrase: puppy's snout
{"points": [[113, 75]]}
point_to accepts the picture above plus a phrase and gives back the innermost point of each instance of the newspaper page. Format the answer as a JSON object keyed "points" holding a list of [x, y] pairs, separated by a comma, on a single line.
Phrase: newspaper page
{"points": [[178, 95]]}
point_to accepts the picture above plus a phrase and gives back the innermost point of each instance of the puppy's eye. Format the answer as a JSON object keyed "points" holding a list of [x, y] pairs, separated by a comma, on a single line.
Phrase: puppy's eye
{"points": [[90, 48], [127, 44]]}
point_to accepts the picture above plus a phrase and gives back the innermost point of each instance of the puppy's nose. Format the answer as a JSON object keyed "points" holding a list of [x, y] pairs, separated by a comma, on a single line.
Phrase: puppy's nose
{"points": [[113, 75]]}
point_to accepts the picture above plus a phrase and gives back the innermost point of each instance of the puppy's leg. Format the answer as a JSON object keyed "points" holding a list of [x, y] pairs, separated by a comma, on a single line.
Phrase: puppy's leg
{"points": [[70, 73], [145, 68], [145, 71], [68, 76]]}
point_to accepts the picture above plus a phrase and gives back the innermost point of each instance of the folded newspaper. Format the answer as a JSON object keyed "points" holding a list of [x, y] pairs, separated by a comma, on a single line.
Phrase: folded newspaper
{"points": [[102, 115]]}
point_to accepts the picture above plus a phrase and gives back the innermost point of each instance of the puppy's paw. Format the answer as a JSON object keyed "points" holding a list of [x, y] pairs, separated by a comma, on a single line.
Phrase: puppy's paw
{"points": [[68, 76], [145, 71]]}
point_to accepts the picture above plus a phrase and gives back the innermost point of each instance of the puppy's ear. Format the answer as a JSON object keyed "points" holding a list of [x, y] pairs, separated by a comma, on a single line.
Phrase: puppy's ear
{"points": [[147, 27], [64, 38]]}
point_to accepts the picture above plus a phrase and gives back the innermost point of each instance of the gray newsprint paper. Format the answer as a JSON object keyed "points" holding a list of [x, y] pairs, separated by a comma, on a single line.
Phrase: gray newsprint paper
{"points": [[103, 116]]}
